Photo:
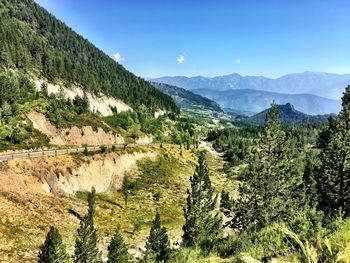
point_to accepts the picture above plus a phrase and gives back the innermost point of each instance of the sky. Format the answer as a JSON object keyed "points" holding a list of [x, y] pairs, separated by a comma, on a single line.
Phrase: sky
{"points": [[154, 38]]}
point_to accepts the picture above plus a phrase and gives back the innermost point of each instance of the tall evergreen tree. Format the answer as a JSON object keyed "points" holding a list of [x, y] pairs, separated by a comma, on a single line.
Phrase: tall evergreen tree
{"points": [[309, 180], [117, 251], [157, 245], [202, 224], [53, 250], [333, 183], [270, 184], [86, 250], [125, 190]]}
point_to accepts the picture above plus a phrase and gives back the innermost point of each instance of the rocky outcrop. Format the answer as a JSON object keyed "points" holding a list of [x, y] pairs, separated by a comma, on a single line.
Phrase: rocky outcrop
{"points": [[74, 135]]}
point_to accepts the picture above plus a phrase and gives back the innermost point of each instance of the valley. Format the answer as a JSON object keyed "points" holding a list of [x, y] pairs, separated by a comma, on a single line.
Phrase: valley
{"points": [[98, 164]]}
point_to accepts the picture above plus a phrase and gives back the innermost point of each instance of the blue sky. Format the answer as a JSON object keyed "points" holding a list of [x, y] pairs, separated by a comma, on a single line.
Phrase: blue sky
{"points": [[251, 37]]}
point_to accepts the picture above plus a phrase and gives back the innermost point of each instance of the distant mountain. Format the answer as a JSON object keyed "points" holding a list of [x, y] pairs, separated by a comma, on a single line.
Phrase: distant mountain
{"points": [[322, 84], [246, 100], [288, 115], [187, 100]]}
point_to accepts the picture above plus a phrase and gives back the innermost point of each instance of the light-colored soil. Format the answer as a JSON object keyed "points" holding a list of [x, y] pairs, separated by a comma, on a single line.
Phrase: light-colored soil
{"points": [[74, 135], [101, 104]]}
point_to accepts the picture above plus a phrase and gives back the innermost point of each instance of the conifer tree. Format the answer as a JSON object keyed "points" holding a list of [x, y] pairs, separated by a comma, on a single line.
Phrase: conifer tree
{"points": [[86, 250], [309, 181], [269, 189], [117, 251], [53, 250], [157, 245], [202, 224], [125, 190], [333, 183]]}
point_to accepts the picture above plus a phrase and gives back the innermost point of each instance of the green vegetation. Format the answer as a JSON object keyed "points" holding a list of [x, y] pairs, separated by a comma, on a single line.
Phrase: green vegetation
{"points": [[17, 96], [33, 40], [285, 189], [288, 115], [86, 242], [270, 181], [158, 244], [20, 97], [202, 225], [117, 251], [333, 184], [188, 101], [53, 250]]}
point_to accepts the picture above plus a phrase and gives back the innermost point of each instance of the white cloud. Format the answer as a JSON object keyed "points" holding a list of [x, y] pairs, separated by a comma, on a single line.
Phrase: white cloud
{"points": [[238, 61], [118, 57], [180, 59]]}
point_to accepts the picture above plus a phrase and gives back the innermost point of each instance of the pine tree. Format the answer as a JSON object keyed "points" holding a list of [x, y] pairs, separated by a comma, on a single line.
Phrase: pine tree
{"points": [[309, 181], [270, 184], [86, 250], [333, 182], [53, 250], [202, 224], [125, 190], [157, 245], [117, 251]]}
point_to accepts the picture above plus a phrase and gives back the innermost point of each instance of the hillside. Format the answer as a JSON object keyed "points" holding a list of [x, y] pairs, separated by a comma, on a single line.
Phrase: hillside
{"points": [[187, 100], [288, 115], [33, 40], [318, 83], [256, 101]]}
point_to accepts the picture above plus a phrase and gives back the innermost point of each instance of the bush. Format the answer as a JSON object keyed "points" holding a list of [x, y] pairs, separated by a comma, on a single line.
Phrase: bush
{"points": [[86, 151], [157, 195], [124, 120], [103, 148]]}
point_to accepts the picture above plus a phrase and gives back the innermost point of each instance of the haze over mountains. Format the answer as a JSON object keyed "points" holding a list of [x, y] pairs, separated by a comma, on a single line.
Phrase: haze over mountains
{"points": [[248, 100], [309, 92], [327, 85]]}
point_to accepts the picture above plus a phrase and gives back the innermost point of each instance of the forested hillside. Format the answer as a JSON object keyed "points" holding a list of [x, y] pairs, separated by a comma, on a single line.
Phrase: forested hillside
{"points": [[187, 100], [288, 115], [33, 40]]}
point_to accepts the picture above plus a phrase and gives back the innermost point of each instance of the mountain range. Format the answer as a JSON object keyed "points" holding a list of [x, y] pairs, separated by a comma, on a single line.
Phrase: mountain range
{"points": [[310, 92], [327, 85]]}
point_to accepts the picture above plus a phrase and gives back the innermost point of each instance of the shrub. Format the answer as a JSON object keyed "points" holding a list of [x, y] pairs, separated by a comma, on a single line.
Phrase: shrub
{"points": [[103, 148]]}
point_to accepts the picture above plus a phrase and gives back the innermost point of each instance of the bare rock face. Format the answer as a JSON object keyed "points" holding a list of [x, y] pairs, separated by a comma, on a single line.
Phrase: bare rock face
{"points": [[73, 136]]}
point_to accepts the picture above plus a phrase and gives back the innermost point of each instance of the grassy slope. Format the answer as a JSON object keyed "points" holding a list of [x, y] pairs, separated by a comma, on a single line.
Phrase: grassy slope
{"points": [[31, 214]]}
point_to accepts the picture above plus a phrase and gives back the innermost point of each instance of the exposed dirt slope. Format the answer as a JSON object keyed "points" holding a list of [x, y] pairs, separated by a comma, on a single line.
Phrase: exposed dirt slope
{"points": [[101, 104], [37, 193], [69, 174], [74, 135]]}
